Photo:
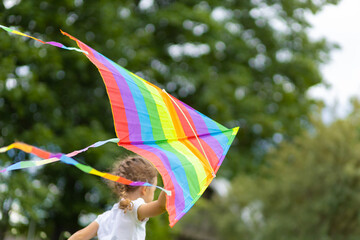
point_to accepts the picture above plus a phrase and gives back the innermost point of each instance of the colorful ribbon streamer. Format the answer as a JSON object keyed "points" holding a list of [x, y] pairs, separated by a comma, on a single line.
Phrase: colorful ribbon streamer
{"points": [[49, 157]]}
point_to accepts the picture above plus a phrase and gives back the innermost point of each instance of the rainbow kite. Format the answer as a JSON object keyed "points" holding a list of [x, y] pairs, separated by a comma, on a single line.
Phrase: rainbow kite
{"points": [[185, 146]]}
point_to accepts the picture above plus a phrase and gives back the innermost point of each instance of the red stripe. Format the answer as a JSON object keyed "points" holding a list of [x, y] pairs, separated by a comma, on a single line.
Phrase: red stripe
{"points": [[40, 153], [116, 101], [210, 154], [184, 123]]}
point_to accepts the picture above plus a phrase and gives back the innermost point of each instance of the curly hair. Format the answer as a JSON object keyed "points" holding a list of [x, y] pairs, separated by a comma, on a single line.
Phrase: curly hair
{"points": [[134, 168]]}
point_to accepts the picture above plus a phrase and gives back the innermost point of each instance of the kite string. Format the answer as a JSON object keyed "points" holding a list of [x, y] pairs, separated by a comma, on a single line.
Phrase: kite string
{"points": [[187, 120]]}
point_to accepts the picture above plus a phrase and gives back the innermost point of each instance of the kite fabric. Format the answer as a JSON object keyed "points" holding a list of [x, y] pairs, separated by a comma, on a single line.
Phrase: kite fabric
{"points": [[185, 146]]}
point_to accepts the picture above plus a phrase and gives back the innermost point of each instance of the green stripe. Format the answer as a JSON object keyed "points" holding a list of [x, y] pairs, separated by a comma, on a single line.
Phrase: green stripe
{"points": [[27, 164], [190, 172], [84, 168], [6, 28], [150, 106]]}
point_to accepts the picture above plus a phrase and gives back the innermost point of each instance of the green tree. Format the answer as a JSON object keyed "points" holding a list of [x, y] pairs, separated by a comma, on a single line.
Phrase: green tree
{"points": [[246, 63], [309, 190], [25, 198]]}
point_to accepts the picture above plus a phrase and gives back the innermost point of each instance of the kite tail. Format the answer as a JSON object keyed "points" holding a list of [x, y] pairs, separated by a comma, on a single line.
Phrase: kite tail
{"points": [[56, 44], [49, 157]]}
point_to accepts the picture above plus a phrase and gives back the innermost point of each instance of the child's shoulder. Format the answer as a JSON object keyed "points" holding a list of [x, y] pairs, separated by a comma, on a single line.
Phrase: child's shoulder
{"points": [[138, 202], [108, 212]]}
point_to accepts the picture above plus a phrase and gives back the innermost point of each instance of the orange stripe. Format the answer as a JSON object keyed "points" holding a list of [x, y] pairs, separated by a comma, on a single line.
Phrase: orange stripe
{"points": [[23, 146], [111, 177], [212, 158], [180, 130], [174, 116]]}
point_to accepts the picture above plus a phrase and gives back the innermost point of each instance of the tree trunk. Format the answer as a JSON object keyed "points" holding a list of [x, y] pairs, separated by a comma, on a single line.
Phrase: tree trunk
{"points": [[4, 223], [2, 232]]}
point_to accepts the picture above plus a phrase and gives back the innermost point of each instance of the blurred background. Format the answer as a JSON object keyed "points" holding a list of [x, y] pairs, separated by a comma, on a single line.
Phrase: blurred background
{"points": [[288, 175]]}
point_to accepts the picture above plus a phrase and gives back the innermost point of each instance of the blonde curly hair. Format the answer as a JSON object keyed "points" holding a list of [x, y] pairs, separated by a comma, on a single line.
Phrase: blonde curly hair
{"points": [[134, 168]]}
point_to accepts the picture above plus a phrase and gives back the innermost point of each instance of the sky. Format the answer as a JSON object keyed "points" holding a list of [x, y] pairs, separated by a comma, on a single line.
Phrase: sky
{"points": [[340, 24]]}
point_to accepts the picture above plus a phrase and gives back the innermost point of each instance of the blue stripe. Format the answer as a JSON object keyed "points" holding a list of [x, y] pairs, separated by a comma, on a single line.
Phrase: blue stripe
{"points": [[15, 166], [176, 164], [132, 115], [212, 128], [143, 114], [68, 160], [168, 154]]}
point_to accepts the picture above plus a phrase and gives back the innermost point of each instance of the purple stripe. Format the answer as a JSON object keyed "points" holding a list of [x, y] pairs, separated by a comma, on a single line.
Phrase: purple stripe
{"points": [[226, 149], [138, 184], [179, 194], [202, 129], [128, 100], [56, 155], [56, 44]]}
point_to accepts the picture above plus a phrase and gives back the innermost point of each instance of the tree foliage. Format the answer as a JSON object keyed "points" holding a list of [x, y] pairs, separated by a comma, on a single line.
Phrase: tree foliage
{"points": [[243, 63]]}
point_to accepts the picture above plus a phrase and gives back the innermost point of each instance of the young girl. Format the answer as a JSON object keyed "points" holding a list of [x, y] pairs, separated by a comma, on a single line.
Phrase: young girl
{"points": [[127, 218]]}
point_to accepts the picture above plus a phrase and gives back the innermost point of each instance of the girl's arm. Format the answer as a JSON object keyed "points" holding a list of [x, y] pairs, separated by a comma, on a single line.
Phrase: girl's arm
{"points": [[86, 233], [153, 208]]}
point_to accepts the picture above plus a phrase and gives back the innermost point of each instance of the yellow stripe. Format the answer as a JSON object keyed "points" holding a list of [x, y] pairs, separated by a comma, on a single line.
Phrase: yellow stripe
{"points": [[170, 132], [235, 130], [175, 118], [201, 156], [25, 35], [192, 158], [46, 161], [97, 173], [165, 118], [4, 149], [19, 33], [111, 177], [187, 144]]}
